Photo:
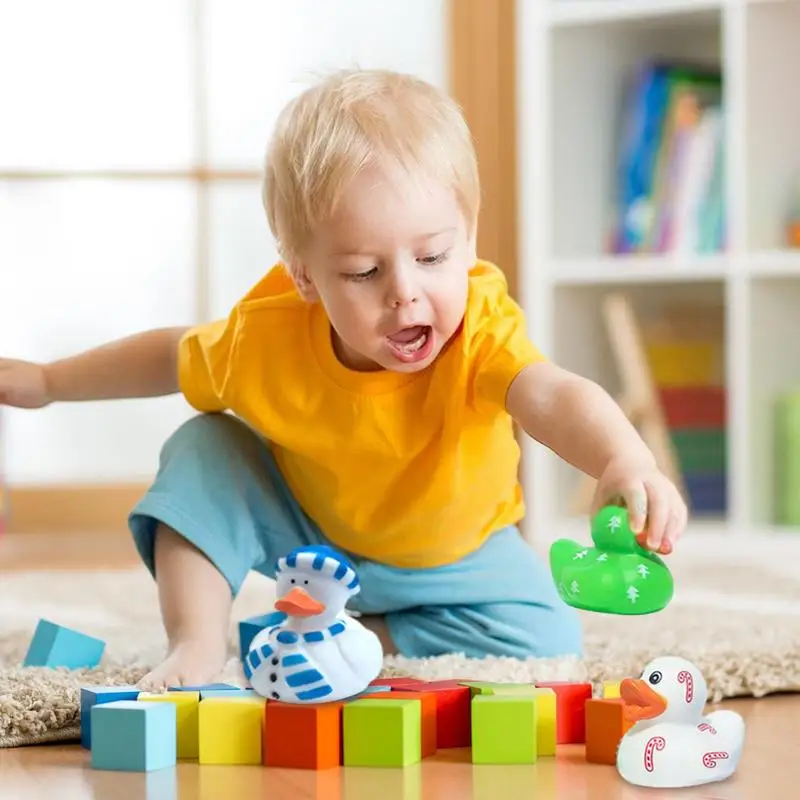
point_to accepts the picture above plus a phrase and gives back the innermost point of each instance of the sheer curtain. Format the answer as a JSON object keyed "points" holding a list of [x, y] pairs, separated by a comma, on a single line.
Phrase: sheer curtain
{"points": [[131, 140]]}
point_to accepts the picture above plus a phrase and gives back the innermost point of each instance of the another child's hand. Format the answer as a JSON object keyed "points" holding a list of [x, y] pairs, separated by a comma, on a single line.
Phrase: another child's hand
{"points": [[654, 504], [22, 384]]}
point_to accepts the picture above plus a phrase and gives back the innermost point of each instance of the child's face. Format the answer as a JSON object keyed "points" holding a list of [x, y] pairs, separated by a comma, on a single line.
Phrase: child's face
{"points": [[391, 268]]}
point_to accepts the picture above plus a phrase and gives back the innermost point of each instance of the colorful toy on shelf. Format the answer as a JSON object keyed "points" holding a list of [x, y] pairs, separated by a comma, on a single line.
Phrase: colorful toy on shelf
{"points": [[671, 743], [318, 653], [617, 575]]}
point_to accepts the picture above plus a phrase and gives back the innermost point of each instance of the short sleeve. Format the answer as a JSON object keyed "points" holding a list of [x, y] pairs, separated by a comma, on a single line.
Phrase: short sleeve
{"points": [[502, 349], [205, 358]]}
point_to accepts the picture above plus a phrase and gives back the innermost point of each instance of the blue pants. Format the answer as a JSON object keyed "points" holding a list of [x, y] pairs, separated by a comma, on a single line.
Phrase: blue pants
{"points": [[219, 486]]}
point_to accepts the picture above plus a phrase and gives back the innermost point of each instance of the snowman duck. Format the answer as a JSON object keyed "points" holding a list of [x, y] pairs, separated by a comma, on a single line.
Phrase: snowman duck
{"points": [[672, 744], [318, 653]]}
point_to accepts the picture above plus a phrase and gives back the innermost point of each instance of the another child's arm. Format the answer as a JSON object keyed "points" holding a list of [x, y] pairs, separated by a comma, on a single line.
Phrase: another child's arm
{"points": [[579, 421], [143, 365]]}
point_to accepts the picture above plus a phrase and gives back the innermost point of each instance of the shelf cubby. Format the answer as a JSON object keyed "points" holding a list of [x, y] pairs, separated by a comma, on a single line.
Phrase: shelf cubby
{"points": [[591, 66], [772, 123]]}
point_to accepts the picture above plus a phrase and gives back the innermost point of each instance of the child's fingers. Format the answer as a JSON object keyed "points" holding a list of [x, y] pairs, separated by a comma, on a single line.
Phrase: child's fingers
{"points": [[676, 522], [635, 498], [657, 517]]}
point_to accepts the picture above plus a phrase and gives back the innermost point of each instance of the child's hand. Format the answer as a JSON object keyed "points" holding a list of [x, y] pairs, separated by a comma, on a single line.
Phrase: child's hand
{"points": [[654, 504], [22, 384]]}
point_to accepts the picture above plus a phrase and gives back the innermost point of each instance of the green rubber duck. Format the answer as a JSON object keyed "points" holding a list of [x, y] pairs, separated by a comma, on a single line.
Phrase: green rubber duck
{"points": [[617, 575]]}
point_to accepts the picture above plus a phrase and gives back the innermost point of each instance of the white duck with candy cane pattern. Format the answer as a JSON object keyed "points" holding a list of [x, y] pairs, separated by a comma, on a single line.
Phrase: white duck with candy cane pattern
{"points": [[672, 744]]}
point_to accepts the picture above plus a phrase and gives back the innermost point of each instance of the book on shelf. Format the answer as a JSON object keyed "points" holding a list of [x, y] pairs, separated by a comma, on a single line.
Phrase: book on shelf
{"points": [[669, 183]]}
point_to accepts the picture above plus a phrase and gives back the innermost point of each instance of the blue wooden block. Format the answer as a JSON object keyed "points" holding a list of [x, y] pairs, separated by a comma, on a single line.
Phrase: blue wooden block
{"points": [[95, 695], [375, 689], [236, 694], [206, 687], [134, 736], [250, 627], [56, 646]]}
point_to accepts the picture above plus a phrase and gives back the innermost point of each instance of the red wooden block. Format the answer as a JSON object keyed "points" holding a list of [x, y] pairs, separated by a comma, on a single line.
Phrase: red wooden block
{"points": [[570, 710], [429, 709], [453, 713], [303, 736]]}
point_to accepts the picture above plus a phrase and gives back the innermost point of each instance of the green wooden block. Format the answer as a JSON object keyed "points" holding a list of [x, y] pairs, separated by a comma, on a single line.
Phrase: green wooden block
{"points": [[504, 729], [385, 734], [479, 687]]}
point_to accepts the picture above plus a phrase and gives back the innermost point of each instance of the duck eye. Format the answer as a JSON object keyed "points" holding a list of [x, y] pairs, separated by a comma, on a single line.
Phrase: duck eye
{"points": [[305, 582], [655, 677], [292, 581]]}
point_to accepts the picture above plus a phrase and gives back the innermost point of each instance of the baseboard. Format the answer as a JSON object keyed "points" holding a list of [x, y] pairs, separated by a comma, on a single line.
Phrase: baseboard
{"points": [[79, 508]]}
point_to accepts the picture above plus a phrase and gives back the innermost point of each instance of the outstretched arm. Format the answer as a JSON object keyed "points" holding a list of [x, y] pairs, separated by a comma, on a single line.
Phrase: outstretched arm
{"points": [[579, 421]]}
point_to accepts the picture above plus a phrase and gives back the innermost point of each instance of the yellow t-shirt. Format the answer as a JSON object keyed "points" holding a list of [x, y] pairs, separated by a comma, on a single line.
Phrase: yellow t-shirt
{"points": [[409, 469]]}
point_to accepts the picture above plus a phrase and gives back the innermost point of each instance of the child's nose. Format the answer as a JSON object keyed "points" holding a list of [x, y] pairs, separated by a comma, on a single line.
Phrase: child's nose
{"points": [[402, 291]]}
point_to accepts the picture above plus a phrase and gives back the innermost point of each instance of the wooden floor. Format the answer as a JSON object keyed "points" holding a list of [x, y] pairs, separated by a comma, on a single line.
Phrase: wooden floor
{"points": [[771, 754]]}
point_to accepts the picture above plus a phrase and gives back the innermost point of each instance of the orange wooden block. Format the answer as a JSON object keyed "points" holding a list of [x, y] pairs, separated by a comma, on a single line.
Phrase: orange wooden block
{"points": [[428, 701], [303, 736], [605, 727]]}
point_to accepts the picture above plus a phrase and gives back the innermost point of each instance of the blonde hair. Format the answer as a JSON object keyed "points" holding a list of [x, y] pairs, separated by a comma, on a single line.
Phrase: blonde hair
{"points": [[351, 120]]}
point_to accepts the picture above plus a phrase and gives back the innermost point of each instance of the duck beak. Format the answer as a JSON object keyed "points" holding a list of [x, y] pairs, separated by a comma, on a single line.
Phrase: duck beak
{"points": [[299, 603], [641, 701]]}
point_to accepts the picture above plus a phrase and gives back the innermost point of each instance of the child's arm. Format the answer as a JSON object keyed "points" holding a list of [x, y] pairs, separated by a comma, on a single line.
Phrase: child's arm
{"points": [[579, 421], [143, 365]]}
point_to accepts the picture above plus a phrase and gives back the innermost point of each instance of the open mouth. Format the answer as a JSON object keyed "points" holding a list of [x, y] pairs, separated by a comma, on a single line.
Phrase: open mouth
{"points": [[412, 343]]}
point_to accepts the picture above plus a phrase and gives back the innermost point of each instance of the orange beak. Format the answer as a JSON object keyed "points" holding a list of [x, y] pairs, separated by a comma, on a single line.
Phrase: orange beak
{"points": [[299, 603], [641, 701]]}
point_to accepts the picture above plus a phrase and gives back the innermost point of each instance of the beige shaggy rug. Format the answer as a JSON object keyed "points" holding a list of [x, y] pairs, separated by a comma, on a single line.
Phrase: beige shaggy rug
{"points": [[737, 619]]}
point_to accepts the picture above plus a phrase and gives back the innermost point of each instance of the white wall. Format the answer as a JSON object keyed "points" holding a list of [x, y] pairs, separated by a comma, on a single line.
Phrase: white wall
{"points": [[110, 86]]}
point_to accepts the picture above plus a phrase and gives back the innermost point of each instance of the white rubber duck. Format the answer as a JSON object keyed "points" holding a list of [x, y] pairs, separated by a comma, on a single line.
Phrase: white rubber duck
{"points": [[671, 744], [318, 653]]}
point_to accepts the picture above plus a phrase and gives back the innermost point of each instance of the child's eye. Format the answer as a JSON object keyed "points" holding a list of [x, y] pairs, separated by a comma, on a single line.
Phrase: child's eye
{"points": [[435, 259], [361, 276]]}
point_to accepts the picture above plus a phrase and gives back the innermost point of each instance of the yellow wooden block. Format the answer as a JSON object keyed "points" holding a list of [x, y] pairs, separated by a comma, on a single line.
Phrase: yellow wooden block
{"points": [[230, 730], [610, 689], [186, 713], [545, 721]]}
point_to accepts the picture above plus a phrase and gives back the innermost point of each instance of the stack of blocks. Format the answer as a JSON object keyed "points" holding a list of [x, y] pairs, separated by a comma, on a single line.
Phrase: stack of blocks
{"points": [[395, 722]]}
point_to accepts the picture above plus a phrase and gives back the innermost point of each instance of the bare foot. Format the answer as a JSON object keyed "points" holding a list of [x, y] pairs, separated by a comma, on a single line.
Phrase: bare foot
{"points": [[194, 662]]}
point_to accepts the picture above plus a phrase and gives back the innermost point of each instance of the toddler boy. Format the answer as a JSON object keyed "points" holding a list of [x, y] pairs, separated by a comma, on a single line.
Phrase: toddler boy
{"points": [[373, 377]]}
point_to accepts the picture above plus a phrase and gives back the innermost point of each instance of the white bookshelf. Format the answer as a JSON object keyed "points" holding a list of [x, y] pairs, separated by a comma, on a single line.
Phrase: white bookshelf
{"points": [[574, 57]]}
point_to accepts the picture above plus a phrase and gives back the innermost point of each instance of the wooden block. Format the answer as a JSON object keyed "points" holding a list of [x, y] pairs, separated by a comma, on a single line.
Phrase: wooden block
{"points": [[397, 683], [133, 736], [605, 727], [427, 702], [382, 734], [570, 709], [546, 716], [610, 689], [96, 695], [249, 628], [368, 690], [206, 687], [503, 729], [453, 722], [56, 646], [230, 730], [187, 717], [307, 736], [205, 694], [479, 687]]}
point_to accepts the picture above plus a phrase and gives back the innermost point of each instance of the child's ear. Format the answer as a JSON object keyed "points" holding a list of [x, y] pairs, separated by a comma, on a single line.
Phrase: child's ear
{"points": [[302, 280]]}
